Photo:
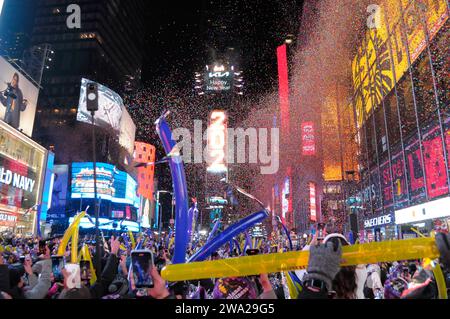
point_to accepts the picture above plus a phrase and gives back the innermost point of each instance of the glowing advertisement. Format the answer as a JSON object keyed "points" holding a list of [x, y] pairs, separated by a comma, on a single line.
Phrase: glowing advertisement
{"points": [[308, 139], [285, 197], [436, 175], [217, 142], [399, 180], [312, 202], [112, 184], [111, 114], [388, 38], [430, 210], [21, 170], [18, 98], [219, 79], [386, 185], [415, 170], [283, 86], [59, 192]]}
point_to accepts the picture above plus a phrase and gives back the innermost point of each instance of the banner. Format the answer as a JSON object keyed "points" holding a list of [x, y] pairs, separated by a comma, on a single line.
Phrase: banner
{"points": [[390, 34], [18, 98], [436, 174], [399, 178]]}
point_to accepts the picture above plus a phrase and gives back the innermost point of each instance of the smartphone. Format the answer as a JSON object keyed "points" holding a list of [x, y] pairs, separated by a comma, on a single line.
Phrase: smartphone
{"points": [[74, 279], [57, 266], [141, 264], [85, 270], [320, 230], [22, 259]]}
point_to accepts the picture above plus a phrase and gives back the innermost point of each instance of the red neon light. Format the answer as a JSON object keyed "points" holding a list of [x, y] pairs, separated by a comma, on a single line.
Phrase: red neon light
{"points": [[283, 81], [312, 202]]}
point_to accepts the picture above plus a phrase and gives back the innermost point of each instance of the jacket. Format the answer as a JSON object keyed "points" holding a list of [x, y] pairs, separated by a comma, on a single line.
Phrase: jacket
{"points": [[39, 289]]}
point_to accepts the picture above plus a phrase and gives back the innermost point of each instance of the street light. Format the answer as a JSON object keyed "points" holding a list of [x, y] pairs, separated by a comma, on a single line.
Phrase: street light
{"points": [[159, 207]]}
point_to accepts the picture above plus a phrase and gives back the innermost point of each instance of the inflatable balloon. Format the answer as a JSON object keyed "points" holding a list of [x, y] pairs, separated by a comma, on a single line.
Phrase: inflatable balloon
{"points": [[286, 231], [228, 234], [236, 243], [69, 233], [179, 189], [214, 230], [369, 253]]}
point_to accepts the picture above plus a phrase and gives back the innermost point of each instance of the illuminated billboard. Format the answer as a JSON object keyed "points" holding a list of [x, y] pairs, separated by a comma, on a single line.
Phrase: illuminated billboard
{"points": [[112, 185], [111, 114], [286, 200], [283, 87], [312, 202], [217, 142], [22, 166], [18, 98], [218, 78], [308, 139], [387, 43]]}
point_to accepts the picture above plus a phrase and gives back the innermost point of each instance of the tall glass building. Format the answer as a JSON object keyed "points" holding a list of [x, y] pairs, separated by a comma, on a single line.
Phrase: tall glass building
{"points": [[402, 114]]}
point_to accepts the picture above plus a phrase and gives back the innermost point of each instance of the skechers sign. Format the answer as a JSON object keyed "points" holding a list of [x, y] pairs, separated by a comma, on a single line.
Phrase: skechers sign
{"points": [[379, 221], [8, 177]]}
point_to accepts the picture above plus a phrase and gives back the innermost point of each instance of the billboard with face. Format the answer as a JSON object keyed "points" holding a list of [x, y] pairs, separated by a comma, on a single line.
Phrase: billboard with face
{"points": [[111, 114], [18, 98]]}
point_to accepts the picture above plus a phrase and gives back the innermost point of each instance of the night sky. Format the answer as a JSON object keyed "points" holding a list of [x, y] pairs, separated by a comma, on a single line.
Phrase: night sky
{"points": [[179, 35]]}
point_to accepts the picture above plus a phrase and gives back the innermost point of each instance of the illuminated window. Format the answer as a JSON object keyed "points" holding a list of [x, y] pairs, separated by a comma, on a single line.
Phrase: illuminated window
{"points": [[90, 35]]}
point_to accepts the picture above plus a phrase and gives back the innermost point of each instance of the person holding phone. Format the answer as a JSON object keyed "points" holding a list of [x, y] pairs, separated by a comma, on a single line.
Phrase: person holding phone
{"points": [[100, 287]]}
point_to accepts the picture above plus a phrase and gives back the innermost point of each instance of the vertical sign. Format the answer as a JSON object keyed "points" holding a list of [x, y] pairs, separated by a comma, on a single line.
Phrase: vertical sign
{"points": [[217, 142], [312, 202], [436, 174], [308, 139], [283, 82]]}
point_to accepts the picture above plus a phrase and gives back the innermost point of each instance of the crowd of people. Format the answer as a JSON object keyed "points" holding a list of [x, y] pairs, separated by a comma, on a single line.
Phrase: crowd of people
{"points": [[27, 272]]}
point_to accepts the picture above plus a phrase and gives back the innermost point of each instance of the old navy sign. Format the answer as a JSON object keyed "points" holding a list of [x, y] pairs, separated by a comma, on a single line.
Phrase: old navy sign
{"points": [[378, 221], [8, 177]]}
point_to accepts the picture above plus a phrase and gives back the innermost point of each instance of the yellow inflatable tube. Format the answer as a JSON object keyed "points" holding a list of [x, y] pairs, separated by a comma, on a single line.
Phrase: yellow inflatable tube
{"points": [[369, 253]]}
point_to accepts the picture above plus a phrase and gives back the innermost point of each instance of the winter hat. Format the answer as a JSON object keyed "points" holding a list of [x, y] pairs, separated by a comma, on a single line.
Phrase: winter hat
{"points": [[119, 286], [235, 288]]}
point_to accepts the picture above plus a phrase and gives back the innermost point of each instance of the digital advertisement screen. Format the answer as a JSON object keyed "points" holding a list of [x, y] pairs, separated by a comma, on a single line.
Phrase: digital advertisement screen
{"points": [[386, 185], [308, 139], [18, 98], [59, 192], [415, 170], [285, 199], [112, 184], [218, 78], [436, 174], [111, 114], [399, 179]]}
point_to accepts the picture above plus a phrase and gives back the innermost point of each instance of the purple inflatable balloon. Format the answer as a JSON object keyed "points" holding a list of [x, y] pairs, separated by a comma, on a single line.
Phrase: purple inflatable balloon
{"points": [[179, 189], [228, 234], [214, 230]]}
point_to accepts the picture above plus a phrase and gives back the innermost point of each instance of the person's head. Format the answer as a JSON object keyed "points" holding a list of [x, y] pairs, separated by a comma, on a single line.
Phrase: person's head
{"points": [[75, 293], [15, 80]]}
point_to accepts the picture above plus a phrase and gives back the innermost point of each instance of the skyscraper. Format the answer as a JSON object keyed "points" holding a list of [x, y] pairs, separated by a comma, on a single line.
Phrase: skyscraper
{"points": [[107, 49]]}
